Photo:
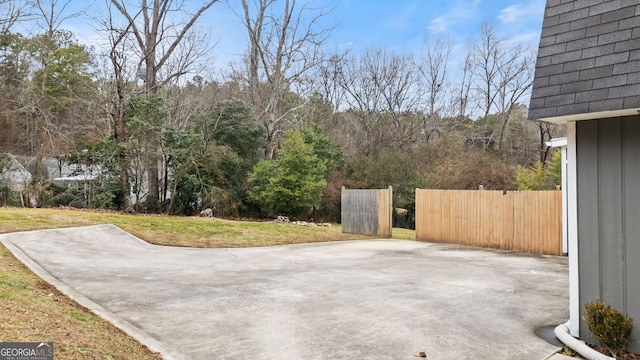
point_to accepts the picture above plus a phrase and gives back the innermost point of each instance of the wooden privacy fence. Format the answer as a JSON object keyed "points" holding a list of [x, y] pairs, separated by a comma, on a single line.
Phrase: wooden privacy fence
{"points": [[366, 212], [528, 221]]}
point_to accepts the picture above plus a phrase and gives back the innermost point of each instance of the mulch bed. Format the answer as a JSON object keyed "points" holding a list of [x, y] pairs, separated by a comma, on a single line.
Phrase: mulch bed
{"points": [[622, 356]]}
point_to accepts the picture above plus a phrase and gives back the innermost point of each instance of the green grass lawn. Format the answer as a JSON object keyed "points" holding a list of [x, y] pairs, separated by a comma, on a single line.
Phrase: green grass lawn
{"points": [[182, 231], [33, 310]]}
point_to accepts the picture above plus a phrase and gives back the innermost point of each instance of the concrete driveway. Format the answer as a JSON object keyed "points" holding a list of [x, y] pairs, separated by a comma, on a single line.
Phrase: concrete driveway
{"points": [[380, 299]]}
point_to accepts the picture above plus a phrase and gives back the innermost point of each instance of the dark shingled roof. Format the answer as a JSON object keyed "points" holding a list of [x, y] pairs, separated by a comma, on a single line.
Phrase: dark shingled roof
{"points": [[588, 59]]}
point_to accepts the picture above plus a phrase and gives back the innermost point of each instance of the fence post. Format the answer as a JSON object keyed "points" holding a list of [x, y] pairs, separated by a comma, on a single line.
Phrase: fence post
{"points": [[391, 211]]}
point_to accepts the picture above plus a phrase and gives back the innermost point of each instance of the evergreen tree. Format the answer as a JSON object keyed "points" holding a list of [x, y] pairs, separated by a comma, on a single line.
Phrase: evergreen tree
{"points": [[291, 184]]}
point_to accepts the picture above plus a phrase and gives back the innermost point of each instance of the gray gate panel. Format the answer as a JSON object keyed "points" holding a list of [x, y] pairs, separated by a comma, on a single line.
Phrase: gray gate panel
{"points": [[359, 211]]}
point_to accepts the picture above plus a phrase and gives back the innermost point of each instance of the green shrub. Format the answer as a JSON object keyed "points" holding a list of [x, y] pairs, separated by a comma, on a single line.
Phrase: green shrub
{"points": [[608, 325], [103, 200], [64, 199], [541, 176], [8, 197], [72, 196], [291, 184]]}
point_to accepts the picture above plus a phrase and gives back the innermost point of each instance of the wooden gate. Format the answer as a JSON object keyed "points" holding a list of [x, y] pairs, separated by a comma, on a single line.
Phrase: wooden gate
{"points": [[367, 212]]}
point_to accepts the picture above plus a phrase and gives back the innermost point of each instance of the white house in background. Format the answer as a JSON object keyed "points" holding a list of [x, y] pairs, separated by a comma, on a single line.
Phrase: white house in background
{"points": [[60, 171], [15, 174]]}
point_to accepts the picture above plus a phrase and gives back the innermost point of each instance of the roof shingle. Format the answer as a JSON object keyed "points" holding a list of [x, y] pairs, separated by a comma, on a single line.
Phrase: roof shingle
{"points": [[588, 58]]}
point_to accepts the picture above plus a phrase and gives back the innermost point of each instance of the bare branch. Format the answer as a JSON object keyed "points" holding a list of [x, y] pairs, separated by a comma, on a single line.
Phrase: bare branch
{"points": [[53, 13], [12, 11], [283, 45]]}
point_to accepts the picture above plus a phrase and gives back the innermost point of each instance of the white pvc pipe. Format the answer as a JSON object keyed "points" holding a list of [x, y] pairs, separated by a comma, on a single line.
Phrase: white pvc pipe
{"points": [[562, 333]]}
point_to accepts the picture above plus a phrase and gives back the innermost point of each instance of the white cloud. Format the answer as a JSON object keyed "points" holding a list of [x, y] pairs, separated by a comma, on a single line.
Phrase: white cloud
{"points": [[510, 14], [440, 24], [521, 21], [522, 12], [457, 14]]}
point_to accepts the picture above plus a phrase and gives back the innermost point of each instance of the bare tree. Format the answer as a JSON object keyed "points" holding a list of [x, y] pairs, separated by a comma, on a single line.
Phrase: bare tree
{"points": [[503, 76], [327, 96], [517, 78], [384, 94], [49, 16], [326, 80], [461, 105], [14, 69], [117, 56], [485, 56], [168, 47], [546, 132], [12, 11], [433, 68], [52, 13], [282, 48], [47, 98]]}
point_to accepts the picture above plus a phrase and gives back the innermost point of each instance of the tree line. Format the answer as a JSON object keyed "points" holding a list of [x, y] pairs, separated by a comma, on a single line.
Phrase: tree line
{"points": [[278, 133]]}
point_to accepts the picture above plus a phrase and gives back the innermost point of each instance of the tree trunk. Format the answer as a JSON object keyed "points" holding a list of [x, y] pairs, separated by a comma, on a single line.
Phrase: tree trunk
{"points": [[154, 32], [123, 162], [503, 129], [151, 90], [120, 134], [153, 198], [545, 134]]}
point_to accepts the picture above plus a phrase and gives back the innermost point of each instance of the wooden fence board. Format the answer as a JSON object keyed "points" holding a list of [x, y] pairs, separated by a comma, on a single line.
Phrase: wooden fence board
{"points": [[528, 221], [384, 208]]}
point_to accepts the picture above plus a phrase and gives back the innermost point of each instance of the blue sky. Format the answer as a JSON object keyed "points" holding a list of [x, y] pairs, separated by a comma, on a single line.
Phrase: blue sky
{"points": [[406, 24], [402, 25], [398, 25]]}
